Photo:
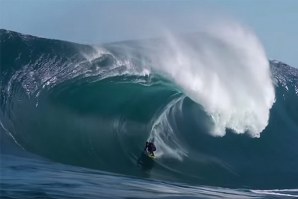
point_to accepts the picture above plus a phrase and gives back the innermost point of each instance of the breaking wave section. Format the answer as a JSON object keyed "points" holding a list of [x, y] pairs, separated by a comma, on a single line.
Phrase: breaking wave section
{"points": [[96, 106]]}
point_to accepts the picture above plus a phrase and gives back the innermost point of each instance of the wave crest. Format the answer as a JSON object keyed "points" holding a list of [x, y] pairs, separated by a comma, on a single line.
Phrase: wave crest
{"points": [[224, 69]]}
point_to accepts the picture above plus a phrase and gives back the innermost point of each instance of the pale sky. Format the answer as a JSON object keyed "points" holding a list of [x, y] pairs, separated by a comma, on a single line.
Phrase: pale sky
{"points": [[275, 22]]}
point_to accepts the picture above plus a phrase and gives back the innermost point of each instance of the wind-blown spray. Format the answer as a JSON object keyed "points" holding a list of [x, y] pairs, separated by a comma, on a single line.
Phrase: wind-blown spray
{"points": [[225, 69]]}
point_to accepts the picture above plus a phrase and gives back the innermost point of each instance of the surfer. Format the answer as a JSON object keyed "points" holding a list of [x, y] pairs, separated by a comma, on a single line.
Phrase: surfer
{"points": [[146, 159], [150, 148]]}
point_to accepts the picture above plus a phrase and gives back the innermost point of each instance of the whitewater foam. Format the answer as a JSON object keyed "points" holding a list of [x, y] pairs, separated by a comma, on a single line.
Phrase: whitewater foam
{"points": [[278, 192], [225, 69], [167, 143]]}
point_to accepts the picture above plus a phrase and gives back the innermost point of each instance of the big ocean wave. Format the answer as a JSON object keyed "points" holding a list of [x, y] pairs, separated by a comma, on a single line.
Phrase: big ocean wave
{"points": [[218, 111]]}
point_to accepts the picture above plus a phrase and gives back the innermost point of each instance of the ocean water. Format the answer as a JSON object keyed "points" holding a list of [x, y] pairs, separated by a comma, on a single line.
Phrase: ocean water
{"points": [[74, 118]]}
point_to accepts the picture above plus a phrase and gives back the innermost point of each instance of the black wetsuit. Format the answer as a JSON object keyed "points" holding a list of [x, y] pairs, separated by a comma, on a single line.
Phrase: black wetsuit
{"points": [[150, 147]]}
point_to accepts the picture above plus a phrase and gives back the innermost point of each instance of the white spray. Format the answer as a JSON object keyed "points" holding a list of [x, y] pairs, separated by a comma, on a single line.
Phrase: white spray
{"points": [[225, 69], [166, 141]]}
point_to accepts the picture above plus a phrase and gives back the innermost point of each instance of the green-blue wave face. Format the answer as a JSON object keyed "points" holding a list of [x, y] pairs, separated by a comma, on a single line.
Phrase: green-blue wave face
{"points": [[94, 108]]}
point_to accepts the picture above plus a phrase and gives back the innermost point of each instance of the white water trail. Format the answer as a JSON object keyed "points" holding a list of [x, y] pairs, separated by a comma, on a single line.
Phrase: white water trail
{"points": [[164, 137], [225, 69]]}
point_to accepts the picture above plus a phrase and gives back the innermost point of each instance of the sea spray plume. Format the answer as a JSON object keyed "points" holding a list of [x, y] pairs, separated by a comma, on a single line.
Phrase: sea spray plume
{"points": [[162, 133], [224, 69]]}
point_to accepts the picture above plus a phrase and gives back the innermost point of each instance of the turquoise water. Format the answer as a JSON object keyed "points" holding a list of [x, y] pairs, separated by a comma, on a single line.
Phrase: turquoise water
{"points": [[74, 123]]}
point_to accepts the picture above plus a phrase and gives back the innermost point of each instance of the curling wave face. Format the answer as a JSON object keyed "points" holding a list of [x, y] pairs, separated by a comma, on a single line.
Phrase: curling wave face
{"points": [[225, 70], [96, 106]]}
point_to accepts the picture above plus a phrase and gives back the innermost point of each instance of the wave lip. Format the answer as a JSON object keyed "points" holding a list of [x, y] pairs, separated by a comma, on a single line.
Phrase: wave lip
{"points": [[224, 69]]}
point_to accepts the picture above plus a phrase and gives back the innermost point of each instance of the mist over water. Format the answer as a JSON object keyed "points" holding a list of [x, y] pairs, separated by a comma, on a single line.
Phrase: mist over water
{"points": [[225, 69]]}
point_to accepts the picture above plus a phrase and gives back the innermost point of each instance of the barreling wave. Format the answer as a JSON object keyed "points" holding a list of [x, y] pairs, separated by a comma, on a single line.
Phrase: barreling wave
{"points": [[96, 106]]}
